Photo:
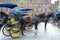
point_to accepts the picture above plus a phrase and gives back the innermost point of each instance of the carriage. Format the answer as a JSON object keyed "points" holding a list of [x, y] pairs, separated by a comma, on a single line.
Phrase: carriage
{"points": [[5, 25], [16, 24], [18, 21]]}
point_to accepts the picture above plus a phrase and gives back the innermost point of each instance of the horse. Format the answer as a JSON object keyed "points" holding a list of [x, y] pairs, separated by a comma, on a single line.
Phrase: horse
{"points": [[55, 17], [47, 17]]}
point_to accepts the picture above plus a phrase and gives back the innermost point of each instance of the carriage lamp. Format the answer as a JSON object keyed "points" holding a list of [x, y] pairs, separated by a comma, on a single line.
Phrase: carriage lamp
{"points": [[12, 20]]}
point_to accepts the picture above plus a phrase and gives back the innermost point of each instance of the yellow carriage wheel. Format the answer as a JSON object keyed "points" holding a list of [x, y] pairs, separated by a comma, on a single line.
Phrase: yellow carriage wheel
{"points": [[6, 30], [26, 28], [15, 32]]}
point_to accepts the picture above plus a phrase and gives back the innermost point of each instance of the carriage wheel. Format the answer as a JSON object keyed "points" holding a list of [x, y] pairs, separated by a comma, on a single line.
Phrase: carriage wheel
{"points": [[15, 32], [6, 30], [28, 27]]}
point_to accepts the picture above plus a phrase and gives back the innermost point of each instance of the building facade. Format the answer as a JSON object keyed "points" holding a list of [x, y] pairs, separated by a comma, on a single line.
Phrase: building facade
{"points": [[39, 6], [55, 6]]}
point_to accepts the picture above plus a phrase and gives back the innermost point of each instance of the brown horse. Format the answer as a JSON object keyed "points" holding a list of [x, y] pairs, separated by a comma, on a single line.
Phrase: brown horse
{"points": [[30, 20]]}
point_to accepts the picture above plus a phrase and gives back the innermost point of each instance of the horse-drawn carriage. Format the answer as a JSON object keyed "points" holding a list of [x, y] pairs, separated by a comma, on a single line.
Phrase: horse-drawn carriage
{"points": [[16, 23], [19, 20]]}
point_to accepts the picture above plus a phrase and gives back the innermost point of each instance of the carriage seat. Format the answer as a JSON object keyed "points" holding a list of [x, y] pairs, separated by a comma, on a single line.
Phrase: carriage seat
{"points": [[14, 23]]}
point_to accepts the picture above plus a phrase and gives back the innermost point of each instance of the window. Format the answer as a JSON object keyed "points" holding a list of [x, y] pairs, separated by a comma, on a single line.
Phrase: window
{"points": [[9, 0], [46, 9], [25, 0], [41, 10], [31, 0]]}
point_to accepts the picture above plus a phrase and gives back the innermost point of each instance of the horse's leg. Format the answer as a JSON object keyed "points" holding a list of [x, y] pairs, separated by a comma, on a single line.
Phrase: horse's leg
{"points": [[46, 23], [36, 25], [53, 20], [22, 29], [58, 23]]}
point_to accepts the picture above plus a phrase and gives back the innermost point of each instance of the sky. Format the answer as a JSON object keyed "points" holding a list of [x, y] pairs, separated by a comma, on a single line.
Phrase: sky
{"points": [[53, 1]]}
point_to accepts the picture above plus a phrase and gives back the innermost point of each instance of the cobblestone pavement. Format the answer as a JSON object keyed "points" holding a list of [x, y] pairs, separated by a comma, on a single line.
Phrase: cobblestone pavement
{"points": [[52, 33]]}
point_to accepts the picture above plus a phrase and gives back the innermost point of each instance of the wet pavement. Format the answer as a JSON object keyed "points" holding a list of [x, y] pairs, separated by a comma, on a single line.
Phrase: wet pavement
{"points": [[52, 33]]}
